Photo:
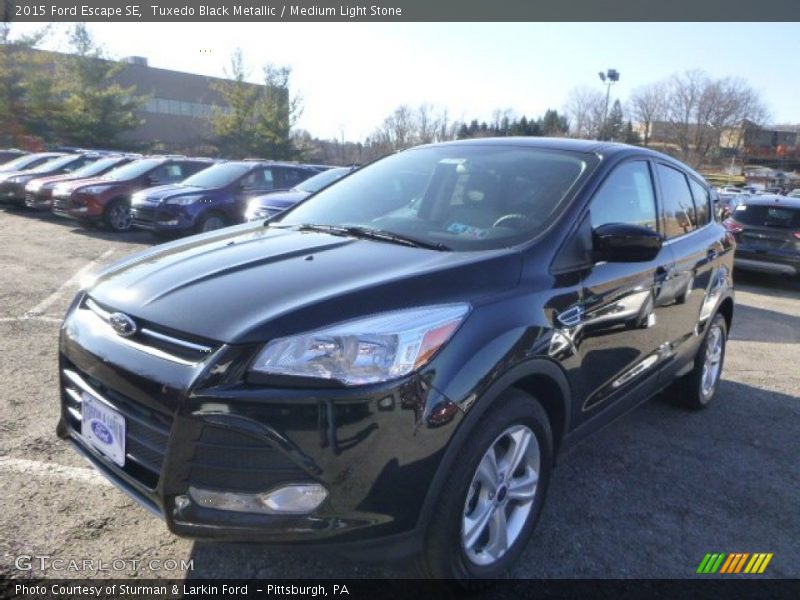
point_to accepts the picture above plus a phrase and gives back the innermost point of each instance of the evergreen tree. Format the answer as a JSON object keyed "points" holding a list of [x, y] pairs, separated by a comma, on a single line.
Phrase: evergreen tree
{"points": [[553, 124], [25, 89], [257, 121], [614, 128], [93, 109]]}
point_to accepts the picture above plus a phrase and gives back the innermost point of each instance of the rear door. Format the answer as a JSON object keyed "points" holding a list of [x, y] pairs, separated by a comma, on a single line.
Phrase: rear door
{"points": [[695, 246]]}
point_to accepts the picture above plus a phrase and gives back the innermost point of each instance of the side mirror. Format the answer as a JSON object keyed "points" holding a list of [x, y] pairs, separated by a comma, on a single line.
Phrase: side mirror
{"points": [[620, 242], [153, 180]]}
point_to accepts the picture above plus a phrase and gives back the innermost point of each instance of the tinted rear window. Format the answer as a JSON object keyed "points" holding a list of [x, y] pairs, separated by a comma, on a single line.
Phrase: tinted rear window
{"points": [[768, 216]]}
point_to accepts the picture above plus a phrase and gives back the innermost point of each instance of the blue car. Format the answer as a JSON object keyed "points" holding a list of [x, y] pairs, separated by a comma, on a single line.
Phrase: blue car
{"points": [[213, 198], [269, 205]]}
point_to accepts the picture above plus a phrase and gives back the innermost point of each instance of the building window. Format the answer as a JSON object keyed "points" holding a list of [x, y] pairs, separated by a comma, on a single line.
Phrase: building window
{"points": [[196, 110]]}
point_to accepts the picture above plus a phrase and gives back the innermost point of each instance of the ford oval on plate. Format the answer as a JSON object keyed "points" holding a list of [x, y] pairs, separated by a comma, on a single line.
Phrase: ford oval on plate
{"points": [[103, 428]]}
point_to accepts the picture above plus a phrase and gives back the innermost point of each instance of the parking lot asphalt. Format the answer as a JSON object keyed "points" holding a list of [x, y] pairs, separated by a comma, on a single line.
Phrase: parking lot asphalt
{"points": [[648, 496]]}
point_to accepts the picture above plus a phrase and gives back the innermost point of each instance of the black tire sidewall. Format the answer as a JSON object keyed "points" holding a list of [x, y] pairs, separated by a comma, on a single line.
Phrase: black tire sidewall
{"points": [[444, 553], [211, 215]]}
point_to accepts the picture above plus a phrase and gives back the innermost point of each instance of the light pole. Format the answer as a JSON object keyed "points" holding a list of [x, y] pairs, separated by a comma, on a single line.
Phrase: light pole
{"points": [[609, 78]]}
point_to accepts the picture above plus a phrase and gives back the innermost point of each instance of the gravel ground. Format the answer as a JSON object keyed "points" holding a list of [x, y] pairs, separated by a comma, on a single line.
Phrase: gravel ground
{"points": [[646, 497]]}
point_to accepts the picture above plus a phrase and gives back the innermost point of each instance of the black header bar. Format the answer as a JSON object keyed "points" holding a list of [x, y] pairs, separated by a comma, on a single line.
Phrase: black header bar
{"points": [[265, 11]]}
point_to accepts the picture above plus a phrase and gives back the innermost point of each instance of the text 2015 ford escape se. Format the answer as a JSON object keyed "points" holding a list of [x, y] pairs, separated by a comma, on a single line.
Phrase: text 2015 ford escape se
{"points": [[397, 360]]}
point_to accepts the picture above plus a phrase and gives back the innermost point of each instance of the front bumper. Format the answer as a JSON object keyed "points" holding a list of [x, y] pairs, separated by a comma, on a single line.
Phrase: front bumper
{"points": [[368, 448], [40, 200], [12, 193], [154, 217], [80, 207]]}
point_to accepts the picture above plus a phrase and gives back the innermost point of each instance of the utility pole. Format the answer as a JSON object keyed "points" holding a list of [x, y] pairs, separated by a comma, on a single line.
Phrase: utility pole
{"points": [[609, 78]]}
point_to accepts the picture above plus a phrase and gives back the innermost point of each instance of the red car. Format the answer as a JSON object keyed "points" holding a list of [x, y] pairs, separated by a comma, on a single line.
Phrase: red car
{"points": [[106, 200], [39, 192]]}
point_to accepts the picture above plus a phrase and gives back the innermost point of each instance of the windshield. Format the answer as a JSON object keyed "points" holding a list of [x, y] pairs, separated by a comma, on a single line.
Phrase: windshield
{"points": [[95, 168], [317, 182], [218, 175], [54, 163], [132, 170], [463, 197], [19, 164]]}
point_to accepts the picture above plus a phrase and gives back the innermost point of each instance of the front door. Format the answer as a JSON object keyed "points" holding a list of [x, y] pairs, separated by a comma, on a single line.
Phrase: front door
{"points": [[622, 332]]}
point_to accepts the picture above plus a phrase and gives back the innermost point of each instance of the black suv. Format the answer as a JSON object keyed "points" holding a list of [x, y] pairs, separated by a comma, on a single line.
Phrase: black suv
{"points": [[767, 232], [397, 360]]}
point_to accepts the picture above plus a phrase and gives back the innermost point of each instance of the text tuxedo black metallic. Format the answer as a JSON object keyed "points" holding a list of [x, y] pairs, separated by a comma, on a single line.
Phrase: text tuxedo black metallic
{"points": [[397, 360]]}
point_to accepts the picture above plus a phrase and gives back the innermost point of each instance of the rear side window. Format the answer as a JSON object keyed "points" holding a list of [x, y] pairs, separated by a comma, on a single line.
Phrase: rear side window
{"points": [[186, 169], [291, 177], [626, 197], [679, 214], [702, 203]]}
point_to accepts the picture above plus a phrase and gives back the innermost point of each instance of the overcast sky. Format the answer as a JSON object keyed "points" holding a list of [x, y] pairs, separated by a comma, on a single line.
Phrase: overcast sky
{"points": [[352, 75]]}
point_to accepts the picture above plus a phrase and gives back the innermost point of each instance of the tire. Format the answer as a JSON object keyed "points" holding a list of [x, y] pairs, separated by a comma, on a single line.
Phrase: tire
{"points": [[697, 389], [117, 216], [211, 222], [456, 546]]}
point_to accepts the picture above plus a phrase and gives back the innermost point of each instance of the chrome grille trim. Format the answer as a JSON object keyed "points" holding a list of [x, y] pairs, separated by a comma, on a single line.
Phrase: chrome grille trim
{"points": [[105, 316], [177, 342]]}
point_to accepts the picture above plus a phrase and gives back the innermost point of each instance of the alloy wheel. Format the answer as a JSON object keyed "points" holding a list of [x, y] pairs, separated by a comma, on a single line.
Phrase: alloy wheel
{"points": [[500, 496], [120, 217], [712, 364]]}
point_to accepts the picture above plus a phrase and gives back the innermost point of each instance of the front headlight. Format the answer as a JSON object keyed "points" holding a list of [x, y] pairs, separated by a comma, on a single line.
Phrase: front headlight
{"points": [[34, 186], [182, 200], [62, 189], [20, 179], [368, 350], [138, 198], [252, 209], [94, 189]]}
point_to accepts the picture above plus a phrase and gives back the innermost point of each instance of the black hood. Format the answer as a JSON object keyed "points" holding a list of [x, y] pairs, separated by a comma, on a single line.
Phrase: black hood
{"points": [[250, 283]]}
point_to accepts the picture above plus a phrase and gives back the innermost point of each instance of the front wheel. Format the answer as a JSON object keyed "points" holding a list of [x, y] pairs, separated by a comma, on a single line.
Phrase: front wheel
{"points": [[117, 216], [491, 501], [211, 222]]}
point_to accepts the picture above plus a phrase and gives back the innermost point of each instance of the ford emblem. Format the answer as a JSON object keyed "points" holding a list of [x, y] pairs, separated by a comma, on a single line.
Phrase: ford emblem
{"points": [[122, 324], [102, 432]]}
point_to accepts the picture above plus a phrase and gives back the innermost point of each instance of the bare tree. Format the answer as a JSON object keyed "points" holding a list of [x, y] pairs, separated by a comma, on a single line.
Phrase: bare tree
{"points": [[646, 106], [683, 98], [584, 108]]}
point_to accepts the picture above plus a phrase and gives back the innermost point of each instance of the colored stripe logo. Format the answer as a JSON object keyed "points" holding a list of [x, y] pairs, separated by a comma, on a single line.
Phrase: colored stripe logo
{"points": [[737, 562]]}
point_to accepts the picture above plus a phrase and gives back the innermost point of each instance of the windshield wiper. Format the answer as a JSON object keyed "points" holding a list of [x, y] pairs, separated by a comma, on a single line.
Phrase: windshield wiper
{"points": [[373, 234]]}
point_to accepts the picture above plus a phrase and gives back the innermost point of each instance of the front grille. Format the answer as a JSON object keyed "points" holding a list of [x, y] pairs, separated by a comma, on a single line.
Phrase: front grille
{"points": [[146, 432], [167, 344], [61, 202], [231, 460], [143, 215]]}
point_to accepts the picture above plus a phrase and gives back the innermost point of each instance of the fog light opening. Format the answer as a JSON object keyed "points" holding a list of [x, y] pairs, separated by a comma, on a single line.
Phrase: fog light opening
{"points": [[295, 499]]}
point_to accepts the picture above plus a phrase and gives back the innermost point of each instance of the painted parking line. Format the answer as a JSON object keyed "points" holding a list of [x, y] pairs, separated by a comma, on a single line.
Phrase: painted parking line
{"points": [[41, 308], [36, 468], [42, 318]]}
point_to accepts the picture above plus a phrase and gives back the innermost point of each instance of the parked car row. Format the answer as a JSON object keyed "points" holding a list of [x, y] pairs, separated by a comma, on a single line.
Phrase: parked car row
{"points": [[163, 194]]}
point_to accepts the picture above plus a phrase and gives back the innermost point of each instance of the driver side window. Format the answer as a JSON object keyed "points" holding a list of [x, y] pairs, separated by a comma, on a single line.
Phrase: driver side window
{"points": [[626, 197]]}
